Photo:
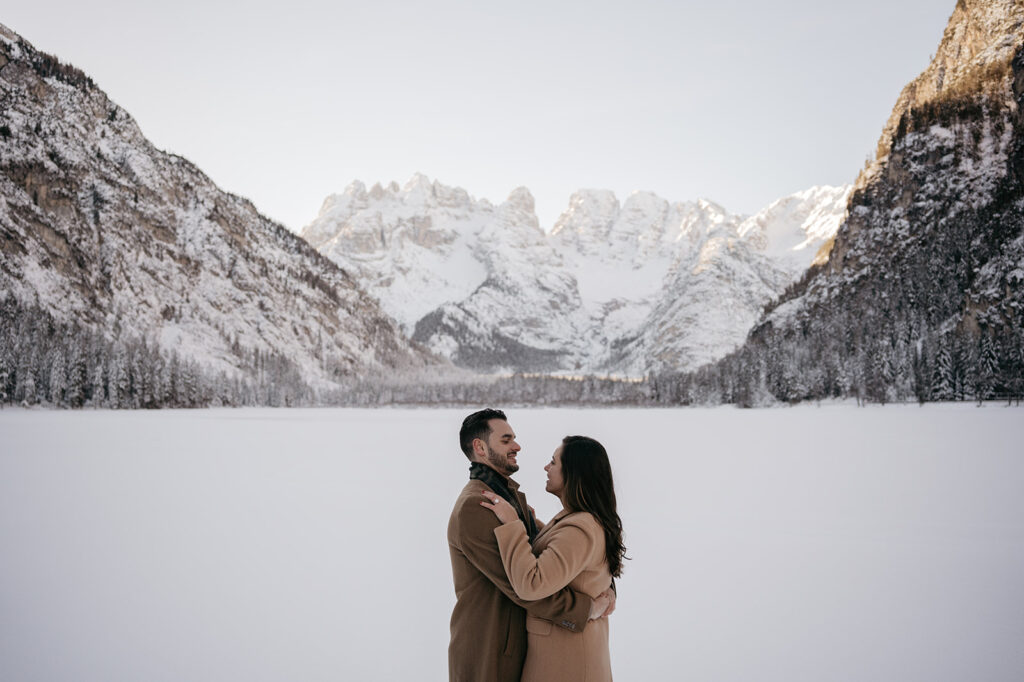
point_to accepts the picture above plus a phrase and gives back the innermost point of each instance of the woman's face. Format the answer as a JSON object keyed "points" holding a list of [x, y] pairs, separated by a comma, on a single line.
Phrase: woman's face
{"points": [[555, 482]]}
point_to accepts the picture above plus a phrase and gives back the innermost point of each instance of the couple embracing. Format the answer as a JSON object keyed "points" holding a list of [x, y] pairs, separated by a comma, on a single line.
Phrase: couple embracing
{"points": [[532, 598]]}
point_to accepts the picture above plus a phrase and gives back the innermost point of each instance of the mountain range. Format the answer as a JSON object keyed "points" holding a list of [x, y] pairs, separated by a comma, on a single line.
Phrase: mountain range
{"points": [[616, 288]]}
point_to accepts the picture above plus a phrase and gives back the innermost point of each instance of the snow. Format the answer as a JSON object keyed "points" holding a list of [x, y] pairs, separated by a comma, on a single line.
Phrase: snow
{"points": [[604, 282], [798, 544]]}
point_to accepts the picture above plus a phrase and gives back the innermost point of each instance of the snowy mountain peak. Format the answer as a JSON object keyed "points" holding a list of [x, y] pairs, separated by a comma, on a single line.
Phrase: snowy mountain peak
{"points": [[519, 209], [418, 180], [589, 210], [708, 205], [690, 223], [355, 189], [793, 228], [522, 199], [377, 192], [643, 216], [645, 203]]}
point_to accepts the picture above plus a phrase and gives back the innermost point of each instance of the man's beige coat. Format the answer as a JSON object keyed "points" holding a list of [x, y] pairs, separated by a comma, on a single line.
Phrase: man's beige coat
{"points": [[570, 550], [488, 626]]}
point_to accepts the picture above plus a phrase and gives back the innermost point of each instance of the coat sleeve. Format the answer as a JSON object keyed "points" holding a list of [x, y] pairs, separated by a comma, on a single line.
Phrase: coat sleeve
{"points": [[565, 608], [568, 552]]}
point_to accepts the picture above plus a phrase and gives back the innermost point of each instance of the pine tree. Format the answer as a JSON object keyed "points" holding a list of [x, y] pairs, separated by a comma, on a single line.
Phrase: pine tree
{"points": [[876, 379], [76, 375], [964, 364], [58, 377], [160, 381], [1013, 364], [35, 390], [142, 395], [98, 385], [987, 369], [118, 385], [7, 373], [921, 369], [942, 387], [24, 387], [136, 379], [187, 387]]}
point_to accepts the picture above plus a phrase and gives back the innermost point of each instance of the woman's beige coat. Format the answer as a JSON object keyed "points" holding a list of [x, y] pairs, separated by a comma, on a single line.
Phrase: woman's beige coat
{"points": [[570, 550]]}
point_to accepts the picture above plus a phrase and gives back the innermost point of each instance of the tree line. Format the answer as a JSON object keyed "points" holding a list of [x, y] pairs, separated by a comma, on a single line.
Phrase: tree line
{"points": [[818, 364], [44, 361], [47, 362]]}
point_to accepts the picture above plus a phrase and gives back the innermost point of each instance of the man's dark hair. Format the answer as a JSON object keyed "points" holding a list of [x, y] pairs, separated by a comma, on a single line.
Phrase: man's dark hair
{"points": [[476, 426]]}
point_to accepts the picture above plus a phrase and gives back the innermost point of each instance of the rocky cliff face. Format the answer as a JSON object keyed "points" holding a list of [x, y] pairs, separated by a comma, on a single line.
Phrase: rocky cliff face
{"points": [[922, 295], [99, 228], [622, 288]]}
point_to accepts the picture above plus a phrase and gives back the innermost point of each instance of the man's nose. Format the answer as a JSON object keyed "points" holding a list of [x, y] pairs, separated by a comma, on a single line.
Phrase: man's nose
{"points": [[515, 446]]}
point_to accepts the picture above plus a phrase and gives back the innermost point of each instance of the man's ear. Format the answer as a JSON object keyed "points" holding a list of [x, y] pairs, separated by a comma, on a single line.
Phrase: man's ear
{"points": [[479, 449]]}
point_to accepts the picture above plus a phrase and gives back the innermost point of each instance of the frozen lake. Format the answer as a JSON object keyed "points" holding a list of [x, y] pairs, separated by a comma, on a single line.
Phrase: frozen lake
{"points": [[802, 544]]}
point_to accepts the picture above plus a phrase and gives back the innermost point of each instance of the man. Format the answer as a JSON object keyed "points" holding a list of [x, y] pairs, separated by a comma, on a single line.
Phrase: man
{"points": [[488, 626]]}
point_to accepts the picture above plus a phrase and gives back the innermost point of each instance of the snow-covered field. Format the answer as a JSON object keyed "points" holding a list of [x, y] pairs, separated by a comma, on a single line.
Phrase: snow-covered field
{"points": [[804, 544]]}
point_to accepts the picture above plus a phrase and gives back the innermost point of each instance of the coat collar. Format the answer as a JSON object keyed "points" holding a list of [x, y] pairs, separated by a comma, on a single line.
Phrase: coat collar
{"points": [[560, 515], [507, 489], [554, 520]]}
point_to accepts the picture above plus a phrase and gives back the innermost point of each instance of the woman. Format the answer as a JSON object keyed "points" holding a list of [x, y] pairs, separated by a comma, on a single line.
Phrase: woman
{"points": [[580, 546]]}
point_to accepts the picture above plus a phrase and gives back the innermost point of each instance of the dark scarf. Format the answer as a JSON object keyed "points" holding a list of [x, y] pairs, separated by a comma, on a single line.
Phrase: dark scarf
{"points": [[496, 482]]}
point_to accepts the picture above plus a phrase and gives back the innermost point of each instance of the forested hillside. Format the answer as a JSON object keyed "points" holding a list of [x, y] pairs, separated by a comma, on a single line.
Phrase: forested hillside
{"points": [[923, 291]]}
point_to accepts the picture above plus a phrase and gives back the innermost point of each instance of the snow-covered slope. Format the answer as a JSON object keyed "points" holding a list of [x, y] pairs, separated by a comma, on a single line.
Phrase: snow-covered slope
{"points": [[100, 228], [613, 288], [725, 270], [792, 230]]}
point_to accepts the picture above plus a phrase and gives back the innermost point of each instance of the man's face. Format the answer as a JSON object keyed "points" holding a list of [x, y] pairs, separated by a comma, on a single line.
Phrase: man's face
{"points": [[499, 451]]}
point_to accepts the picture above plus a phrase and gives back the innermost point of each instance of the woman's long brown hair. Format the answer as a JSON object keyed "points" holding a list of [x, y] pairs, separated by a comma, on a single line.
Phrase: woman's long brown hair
{"points": [[587, 477]]}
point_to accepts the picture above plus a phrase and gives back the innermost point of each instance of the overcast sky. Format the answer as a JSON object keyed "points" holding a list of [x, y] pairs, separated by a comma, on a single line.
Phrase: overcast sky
{"points": [[738, 101]]}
